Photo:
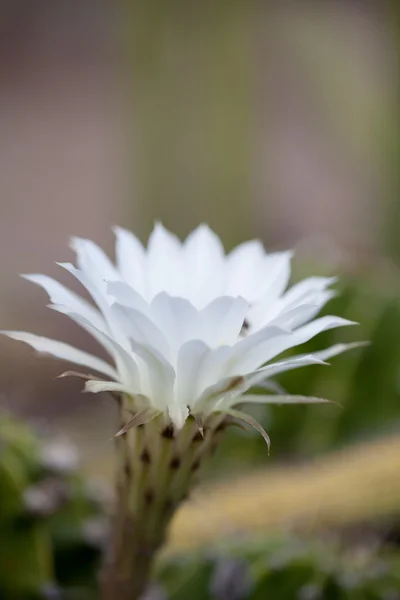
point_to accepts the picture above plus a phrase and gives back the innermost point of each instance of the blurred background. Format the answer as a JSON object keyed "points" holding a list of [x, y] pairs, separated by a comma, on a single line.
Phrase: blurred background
{"points": [[270, 120]]}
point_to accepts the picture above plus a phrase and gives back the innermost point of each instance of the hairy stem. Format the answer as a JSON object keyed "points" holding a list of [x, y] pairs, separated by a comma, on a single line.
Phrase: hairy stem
{"points": [[156, 469]]}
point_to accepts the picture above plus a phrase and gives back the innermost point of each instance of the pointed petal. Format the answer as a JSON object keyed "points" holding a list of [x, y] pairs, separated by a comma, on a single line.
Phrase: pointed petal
{"points": [[98, 291], [224, 394], [254, 351], [130, 257], [244, 264], [203, 263], [272, 386], [63, 351], [295, 362], [163, 262], [92, 260], [140, 418], [276, 273], [339, 349], [303, 288], [310, 291], [244, 417], [95, 387], [281, 399], [84, 376], [59, 294]]}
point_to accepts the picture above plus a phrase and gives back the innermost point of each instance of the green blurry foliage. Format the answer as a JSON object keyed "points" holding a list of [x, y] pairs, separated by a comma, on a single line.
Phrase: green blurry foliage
{"points": [[52, 525], [288, 569]]}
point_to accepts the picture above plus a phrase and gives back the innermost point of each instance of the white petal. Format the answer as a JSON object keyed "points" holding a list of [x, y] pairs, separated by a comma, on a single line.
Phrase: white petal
{"points": [[224, 400], [251, 379], [100, 296], [160, 375], [124, 294], [222, 320], [164, 272], [140, 329], [310, 291], [92, 330], [213, 368], [178, 415], [97, 294], [190, 358], [203, 262], [177, 319], [338, 349], [92, 260], [63, 351], [243, 271], [249, 353], [262, 351], [130, 257], [311, 284], [275, 273], [59, 294], [126, 365], [295, 317]]}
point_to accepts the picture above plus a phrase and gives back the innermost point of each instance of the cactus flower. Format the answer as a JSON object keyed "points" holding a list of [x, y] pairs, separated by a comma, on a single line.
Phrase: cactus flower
{"points": [[190, 332]]}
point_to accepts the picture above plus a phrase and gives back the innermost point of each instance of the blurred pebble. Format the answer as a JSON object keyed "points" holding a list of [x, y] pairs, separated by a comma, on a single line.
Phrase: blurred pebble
{"points": [[96, 532], [154, 592], [60, 457], [311, 591], [46, 497], [50, 592], [230, 580], [99, 492], [391, 595]]}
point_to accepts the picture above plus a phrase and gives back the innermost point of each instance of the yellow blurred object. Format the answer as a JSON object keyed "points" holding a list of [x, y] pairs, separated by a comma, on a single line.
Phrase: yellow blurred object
{"points": [[357, 484]]}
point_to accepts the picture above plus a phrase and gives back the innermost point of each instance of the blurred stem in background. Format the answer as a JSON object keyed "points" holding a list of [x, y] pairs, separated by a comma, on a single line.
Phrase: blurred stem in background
{"points": [[192, 79]]}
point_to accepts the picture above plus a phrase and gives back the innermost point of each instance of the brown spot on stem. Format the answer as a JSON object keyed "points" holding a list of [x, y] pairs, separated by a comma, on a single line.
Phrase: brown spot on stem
{"points": [[149, 497], [168, 506], [195, 466], [175, 463], [128, 470], [168, 432], [145, 456]]}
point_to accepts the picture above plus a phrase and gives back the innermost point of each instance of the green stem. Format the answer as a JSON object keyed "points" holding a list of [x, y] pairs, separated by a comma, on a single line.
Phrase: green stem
{"points": [[157, 467]]}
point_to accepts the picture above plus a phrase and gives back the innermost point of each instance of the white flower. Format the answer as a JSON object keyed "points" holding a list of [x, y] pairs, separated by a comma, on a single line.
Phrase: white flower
{"points": [[189, 329]]}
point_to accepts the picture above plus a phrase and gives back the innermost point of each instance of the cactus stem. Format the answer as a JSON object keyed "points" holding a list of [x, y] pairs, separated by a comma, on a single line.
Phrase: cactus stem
{"points": [[157, 468]]}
